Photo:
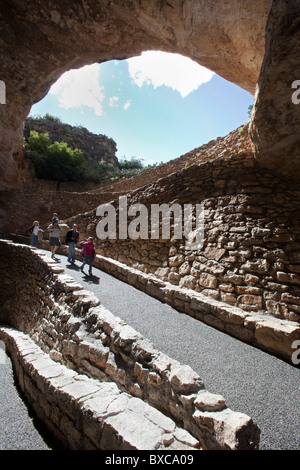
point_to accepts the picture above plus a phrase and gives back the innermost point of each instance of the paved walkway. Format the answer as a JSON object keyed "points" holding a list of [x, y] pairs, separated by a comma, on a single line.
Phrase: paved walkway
{"points": [[18, 430], [252, 382]]}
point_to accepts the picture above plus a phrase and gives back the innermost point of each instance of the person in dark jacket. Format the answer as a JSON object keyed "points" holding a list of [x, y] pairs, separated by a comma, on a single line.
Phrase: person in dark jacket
{"points": [[71, 239]]}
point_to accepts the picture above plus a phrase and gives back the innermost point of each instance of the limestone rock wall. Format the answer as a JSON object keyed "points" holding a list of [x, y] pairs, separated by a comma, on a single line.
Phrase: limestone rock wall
{"points": [[276, 115], [95, 147], [73, 330]]}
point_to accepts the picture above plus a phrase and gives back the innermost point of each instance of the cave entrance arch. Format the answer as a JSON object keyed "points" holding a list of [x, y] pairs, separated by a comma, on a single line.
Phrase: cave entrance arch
{"points": [[168, 101], [39, 42]]}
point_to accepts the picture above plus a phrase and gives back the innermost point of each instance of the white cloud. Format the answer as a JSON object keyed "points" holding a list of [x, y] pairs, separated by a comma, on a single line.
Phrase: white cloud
{"points": [[127, 105], [80, 87], [172, 70], [113, 101]]}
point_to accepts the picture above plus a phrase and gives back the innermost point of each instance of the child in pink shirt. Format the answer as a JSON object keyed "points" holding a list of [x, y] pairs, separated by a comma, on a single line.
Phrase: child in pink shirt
{"points": [[89, 254]]}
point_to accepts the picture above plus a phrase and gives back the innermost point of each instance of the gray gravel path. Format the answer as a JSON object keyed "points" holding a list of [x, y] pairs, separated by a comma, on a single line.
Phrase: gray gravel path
{"points": [[252, 382], [17, 428]]}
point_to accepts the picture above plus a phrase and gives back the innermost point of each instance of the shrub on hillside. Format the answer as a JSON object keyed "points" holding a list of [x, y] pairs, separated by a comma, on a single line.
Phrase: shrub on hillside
{"points": [[56, 161], [131, 167], [98, 171]]}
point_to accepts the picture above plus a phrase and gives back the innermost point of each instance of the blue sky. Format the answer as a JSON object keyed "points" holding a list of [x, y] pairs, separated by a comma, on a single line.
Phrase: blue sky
{"points": [[156, 106]]}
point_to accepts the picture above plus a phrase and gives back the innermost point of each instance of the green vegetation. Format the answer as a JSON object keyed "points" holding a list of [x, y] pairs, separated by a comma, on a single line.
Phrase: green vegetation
{"points": [[59, 162], [131, 167], [56, 161], [98, 171], [250, 109], [47, 116]]}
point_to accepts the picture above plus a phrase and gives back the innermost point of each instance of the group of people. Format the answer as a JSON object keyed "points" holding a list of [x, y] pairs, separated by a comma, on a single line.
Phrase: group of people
{"points": [[88, 251], [72, 238]]}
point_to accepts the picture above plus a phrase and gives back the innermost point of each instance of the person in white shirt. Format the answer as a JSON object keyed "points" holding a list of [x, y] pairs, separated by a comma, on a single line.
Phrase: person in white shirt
{"points": [[54, 240], [34, 233]]}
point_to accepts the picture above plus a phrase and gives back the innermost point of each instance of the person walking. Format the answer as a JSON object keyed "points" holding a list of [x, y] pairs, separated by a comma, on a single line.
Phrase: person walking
{"points": [[54, 240], [71, 239], [34, 233], [89, 253]]}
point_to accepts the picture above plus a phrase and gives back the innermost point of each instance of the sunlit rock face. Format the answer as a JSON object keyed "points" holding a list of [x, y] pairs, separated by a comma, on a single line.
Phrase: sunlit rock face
{"points": [[39, 41], [276, 119]]}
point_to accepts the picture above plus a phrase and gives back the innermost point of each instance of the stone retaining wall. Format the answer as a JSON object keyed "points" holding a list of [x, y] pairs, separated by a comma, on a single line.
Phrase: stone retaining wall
{"points": [[262, 330], [250, 258], [84, 413], [76, 334]]}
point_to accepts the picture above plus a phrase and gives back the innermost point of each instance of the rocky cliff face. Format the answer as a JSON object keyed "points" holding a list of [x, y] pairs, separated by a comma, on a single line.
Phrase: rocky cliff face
{"points": [[95, 147], [276, 116]]}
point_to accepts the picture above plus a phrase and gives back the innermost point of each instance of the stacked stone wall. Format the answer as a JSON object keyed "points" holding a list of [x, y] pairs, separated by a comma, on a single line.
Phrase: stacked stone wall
{"points": [[44, 308], [21, 207], [250, 253], [86, 414]]}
